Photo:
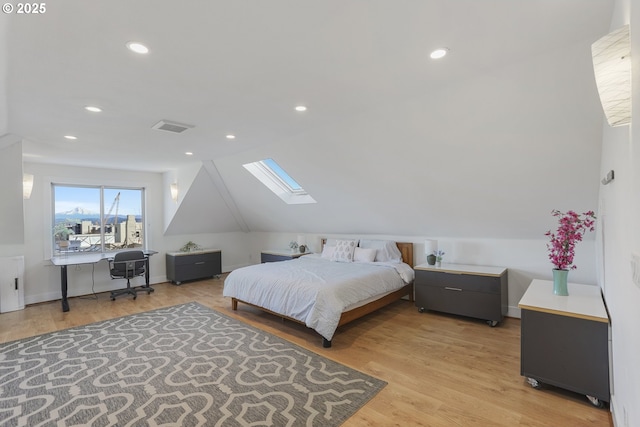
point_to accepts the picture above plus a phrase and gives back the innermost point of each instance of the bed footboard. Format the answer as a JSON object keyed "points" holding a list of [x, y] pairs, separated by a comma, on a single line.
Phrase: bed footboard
{"points": [[347, 316]]}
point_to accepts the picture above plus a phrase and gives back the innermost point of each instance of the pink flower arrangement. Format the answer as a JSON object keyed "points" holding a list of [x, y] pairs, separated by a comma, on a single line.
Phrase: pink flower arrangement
{"points": [[570, 231]]}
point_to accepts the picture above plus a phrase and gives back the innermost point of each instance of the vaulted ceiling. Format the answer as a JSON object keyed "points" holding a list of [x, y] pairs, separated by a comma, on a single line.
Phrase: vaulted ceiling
{"points": [[507, 126]]}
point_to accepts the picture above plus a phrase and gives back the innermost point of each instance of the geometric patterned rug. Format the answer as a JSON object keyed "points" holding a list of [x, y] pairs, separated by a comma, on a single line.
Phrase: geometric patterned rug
{"points": [[185, 365]]}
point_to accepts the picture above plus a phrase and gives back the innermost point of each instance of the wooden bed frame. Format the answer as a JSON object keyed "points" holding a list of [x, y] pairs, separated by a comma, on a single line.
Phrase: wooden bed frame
{"points": [[406, 249]]}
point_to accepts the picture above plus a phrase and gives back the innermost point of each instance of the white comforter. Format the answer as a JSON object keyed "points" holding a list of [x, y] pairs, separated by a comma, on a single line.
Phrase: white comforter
{"points": [[315, 290]]}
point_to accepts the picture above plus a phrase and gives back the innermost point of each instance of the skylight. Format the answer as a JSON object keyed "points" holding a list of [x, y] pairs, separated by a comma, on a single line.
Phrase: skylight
{"points": [[280, 182]]}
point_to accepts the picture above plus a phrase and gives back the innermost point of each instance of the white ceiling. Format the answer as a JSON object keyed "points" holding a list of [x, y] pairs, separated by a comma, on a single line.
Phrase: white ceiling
{"points": [[240, 66]]}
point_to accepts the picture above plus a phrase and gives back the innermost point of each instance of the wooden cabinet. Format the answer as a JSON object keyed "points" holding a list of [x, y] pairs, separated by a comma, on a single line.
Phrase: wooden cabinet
{"points": [[276, 255], [565, 339], [467, 290], [183, 266]]}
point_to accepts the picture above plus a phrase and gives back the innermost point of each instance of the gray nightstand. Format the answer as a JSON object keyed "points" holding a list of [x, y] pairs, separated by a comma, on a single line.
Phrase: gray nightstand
{"points": [[195, 265], [279, 255], [467, 290]]}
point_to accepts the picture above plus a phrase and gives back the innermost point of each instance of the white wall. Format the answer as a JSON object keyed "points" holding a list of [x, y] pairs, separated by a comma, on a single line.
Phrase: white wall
{"points": [[11, 232], [525, 259], [619, 227], [42, 279]]}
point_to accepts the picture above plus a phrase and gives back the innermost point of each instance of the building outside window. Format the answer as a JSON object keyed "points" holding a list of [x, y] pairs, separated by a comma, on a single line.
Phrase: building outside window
{"points": [[97, 218]]}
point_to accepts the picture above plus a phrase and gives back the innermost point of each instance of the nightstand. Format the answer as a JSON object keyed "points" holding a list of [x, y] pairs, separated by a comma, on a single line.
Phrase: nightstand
{"points": [[565, 339], [194, 265], [279, 255], [466, 290]]}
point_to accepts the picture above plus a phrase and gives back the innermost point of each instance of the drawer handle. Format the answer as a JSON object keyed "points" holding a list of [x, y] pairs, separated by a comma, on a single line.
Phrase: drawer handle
{"points": [[201, 262], [453, 289]]}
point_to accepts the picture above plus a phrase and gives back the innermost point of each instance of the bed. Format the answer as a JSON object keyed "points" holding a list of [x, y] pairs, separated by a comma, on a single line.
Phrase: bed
{"points": [[325, 291]]}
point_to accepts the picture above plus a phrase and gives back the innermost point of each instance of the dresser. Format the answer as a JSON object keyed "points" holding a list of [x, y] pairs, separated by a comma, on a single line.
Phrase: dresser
{"points": [[194, 265], [279, 255], [467, 290], [565, 339]]}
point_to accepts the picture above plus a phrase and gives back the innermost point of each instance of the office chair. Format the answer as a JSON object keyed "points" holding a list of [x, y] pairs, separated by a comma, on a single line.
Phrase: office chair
{"points": [[126, 265]]}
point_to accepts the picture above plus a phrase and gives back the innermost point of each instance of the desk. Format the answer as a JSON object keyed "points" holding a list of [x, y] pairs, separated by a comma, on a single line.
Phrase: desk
{"points": [[87, 258]]}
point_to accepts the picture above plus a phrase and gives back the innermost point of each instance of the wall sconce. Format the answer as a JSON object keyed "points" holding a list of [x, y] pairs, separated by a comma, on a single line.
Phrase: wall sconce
{"points": [[27, 185], [174, 192], [612, 68]]}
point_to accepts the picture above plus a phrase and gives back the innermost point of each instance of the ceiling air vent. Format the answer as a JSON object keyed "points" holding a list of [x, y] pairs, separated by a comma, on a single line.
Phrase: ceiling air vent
{"points": [[169, 126]]}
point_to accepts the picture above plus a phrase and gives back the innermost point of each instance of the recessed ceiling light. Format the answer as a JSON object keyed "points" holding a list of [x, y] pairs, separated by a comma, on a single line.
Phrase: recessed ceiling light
{"points": [[137, 47], [71, 137], [301, 108], [439, 53], [93, 109], [189, 153], [231, 136]]}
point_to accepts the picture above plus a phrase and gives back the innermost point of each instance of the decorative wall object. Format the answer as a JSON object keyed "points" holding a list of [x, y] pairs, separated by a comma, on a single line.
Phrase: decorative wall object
{"points": [[612, 68]]}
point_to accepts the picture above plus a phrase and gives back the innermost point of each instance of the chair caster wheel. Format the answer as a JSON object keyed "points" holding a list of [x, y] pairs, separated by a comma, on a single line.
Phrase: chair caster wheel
{"points": [[421, 310], [113, 299]]}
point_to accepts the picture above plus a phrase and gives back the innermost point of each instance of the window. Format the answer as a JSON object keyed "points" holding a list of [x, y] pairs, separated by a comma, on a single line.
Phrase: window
{"points": [[279, 181], [97, 218]]}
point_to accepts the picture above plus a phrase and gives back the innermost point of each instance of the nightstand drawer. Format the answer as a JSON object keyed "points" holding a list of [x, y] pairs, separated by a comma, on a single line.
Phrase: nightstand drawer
{"points": [[480, 305], [195, 259], [461, 282]]}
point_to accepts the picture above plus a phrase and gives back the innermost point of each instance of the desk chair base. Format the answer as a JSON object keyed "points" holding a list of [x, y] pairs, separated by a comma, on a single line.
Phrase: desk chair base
{"points": [[131, 291]]}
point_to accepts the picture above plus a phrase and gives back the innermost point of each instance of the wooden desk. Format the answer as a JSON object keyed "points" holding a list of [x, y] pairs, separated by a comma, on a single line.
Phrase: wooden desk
{"points": [[564, 339], [63, 261]]}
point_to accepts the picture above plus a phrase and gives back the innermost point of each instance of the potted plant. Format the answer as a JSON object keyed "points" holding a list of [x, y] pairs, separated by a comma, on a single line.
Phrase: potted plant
{"points": [[61, 235], [562, 244], [439, 254], [293, 245], [190, 246]]}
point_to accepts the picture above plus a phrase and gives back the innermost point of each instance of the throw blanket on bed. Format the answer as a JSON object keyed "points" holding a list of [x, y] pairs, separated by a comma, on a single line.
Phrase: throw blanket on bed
{"points": [[315, 290]]}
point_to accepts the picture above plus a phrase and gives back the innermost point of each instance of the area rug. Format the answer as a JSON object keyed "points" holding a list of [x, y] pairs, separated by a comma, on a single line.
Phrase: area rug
{"points": [[185, 365]]}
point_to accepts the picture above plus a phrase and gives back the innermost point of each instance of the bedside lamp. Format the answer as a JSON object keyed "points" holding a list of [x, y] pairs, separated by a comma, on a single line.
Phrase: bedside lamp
{"points": [[430, 246], [302, 243]]}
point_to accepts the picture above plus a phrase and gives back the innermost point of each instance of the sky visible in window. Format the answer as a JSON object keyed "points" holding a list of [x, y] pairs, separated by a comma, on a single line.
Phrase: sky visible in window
{"points": [[282, 174], [88, 199]]}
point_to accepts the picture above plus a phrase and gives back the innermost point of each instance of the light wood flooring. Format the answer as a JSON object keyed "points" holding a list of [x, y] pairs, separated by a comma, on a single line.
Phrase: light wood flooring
{"points": [[441, 370]]}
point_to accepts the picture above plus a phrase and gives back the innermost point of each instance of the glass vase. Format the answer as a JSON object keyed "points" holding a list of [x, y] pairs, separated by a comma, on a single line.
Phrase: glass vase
{"points": [[560, 282]]}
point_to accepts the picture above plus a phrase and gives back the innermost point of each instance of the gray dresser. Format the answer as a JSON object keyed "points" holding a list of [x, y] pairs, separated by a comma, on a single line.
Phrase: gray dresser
{"points": [[195, 265], [565, 339], [467, 290], [279, 255]]}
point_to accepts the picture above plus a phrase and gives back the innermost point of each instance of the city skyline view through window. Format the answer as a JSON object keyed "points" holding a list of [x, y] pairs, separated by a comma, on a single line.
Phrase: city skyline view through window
{"points": [[97, 218]]}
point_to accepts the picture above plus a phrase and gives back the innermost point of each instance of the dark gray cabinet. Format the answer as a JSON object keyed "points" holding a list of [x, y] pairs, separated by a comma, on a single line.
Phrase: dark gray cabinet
{"points": [[184, 266], [565, 339], [466, 290], [275, 256]]}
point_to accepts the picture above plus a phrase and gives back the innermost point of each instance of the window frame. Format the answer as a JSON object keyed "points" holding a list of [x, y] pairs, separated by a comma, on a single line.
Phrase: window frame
{"points": [[103, 206], [278, 182]]}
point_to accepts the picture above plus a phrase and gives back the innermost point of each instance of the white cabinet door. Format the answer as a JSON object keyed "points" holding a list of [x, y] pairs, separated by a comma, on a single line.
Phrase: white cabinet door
{"points": [[11, 283]]}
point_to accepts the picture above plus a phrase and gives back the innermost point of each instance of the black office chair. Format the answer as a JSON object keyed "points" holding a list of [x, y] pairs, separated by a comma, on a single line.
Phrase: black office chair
{"points": [[126, 265]]}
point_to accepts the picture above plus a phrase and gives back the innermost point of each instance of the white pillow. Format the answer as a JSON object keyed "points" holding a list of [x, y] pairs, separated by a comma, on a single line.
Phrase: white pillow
{"points": [[364, 255], [332, 241], [387, 251], [344, 251], [327, 251]]}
